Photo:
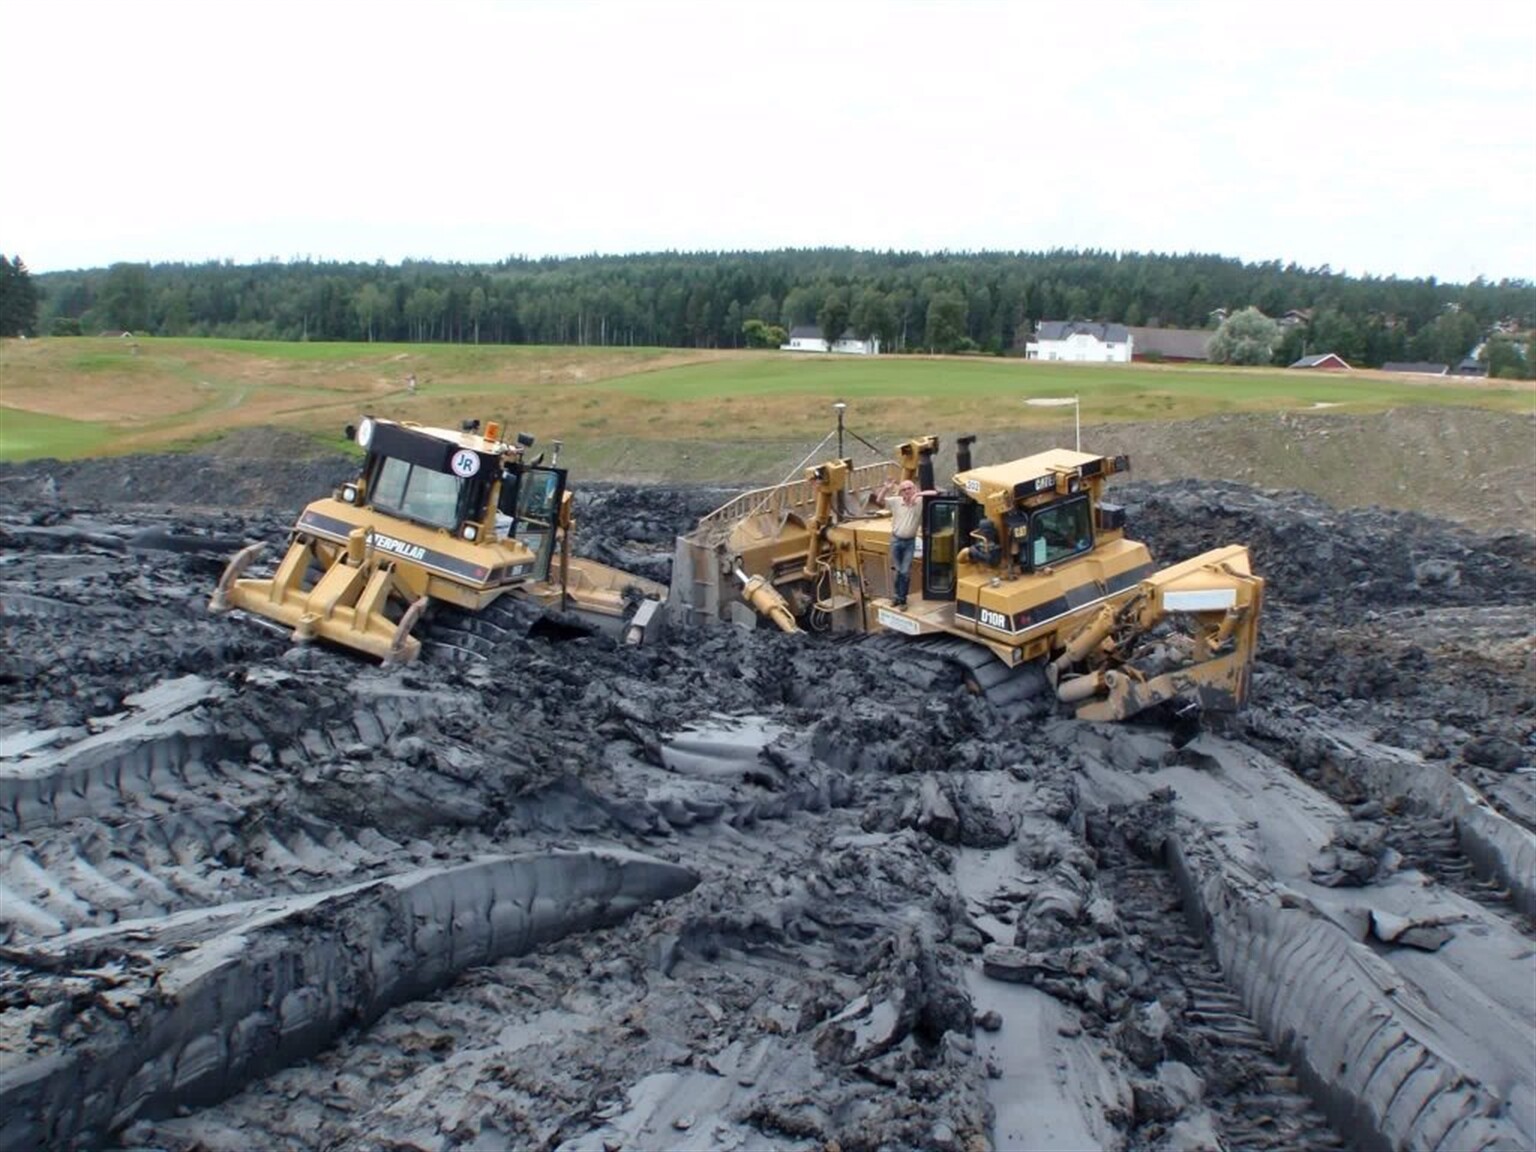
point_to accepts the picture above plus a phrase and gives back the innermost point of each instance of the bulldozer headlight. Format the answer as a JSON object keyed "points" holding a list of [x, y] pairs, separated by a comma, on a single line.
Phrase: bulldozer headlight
{"points": [[349, 493], [470, 532], [365, 432]]}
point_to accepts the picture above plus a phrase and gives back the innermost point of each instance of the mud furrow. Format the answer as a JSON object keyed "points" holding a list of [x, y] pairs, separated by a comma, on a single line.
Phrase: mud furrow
{"points": [[186, 1010], [863, 826], [1430, 817], [1431, 844], [1257, 1101]]}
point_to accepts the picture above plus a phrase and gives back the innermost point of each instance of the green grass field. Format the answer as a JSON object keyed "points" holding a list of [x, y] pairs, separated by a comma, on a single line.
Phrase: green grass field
{"points": [[28, 436], [1128, 392], [85, 396]]}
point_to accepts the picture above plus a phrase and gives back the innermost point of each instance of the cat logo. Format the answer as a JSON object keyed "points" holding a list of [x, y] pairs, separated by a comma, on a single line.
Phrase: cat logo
{"points": [[395, 547]]}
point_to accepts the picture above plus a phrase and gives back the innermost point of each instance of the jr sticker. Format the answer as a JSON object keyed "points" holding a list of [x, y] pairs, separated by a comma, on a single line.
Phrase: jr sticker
{"points": [[465, 463]]}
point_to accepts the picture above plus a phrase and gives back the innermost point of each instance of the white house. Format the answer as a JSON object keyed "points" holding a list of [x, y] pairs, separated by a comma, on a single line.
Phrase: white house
{"points": [[808, 338], [1081, 341]]}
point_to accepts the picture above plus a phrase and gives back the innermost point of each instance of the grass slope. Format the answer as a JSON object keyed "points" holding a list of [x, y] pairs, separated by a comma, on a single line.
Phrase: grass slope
{"points": [[724, 413]]}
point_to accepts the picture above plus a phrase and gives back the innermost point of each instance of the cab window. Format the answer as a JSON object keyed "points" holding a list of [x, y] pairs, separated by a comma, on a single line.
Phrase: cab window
{"points": [[536, 497], [417, 493], [1060, 531]]}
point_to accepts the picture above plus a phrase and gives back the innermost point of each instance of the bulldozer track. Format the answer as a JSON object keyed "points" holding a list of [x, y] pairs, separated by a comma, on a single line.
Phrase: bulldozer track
{"points": [[983, 674], [457, 636]]}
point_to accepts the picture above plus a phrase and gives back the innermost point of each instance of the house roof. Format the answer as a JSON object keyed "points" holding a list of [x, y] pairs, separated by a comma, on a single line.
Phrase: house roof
{"points": [[811, 332], [1321, 360], [1062, 329], [1183, 343], [1420, 367]]}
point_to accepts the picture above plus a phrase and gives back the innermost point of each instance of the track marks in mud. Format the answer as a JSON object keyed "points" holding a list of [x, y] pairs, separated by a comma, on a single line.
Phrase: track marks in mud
{"points": [[187, 1010], [814, 850], [1434, 819], [1254, 1098]]}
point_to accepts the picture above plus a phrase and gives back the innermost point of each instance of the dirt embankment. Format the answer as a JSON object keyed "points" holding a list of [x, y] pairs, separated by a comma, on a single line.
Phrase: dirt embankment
{"points": [[1472, 466]]}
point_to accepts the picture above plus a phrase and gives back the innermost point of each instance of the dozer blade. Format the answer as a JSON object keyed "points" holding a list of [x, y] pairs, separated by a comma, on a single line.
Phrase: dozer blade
{"points": [[1219, 685], [345, 606], [1216, 598]]}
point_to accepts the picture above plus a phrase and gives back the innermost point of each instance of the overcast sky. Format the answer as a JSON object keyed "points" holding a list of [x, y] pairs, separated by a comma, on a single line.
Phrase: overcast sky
{"points": [[1375, 137]]}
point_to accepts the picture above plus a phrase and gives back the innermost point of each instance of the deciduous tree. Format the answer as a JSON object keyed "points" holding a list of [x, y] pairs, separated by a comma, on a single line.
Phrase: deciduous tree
{"points": [[832, 319], [125, 297], [945, 329], [1246, 337]]}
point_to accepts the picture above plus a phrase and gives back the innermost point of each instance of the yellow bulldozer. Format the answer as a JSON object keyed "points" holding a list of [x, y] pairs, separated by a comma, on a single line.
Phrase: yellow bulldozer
{"points": [[437, 522], [1022, 572]]}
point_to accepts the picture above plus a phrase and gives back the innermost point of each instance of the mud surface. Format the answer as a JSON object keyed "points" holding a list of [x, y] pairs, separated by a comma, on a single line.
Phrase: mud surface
{"points": [[742, 890]]}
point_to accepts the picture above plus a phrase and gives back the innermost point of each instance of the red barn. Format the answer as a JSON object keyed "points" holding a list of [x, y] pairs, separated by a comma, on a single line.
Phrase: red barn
{"points": [[1327, 361]]}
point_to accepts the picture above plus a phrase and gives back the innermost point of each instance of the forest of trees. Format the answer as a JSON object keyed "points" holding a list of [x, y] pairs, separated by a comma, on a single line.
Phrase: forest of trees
{"points": [[18, 298], [947, 302]]}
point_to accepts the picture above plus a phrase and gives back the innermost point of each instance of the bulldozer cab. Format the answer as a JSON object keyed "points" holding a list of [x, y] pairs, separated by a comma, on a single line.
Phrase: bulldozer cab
{"points": [[532, 496], [421, 494], [1019, 539], [427, 477], [1038, 513], [1055, 533]]}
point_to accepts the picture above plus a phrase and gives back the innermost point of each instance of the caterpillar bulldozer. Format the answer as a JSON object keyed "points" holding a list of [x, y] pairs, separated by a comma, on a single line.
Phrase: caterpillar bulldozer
{"points": [[436, 522], [1023, 573]]}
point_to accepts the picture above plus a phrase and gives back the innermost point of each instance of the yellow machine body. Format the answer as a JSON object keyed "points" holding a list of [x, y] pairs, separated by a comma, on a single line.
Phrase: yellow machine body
{"points": [[1025, 559], [434, 516]]}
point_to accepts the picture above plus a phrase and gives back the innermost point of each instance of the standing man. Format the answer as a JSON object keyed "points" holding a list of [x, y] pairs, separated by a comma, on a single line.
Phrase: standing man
{"points": [[906, 509]]}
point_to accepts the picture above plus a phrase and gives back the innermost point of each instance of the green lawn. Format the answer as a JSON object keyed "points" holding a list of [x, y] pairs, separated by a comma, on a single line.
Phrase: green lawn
{"points": [[30, 436], [80, 396], [1107, 392]]}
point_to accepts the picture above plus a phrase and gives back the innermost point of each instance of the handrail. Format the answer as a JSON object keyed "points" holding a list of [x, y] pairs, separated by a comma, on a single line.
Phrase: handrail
{"points": [[792, 495]]}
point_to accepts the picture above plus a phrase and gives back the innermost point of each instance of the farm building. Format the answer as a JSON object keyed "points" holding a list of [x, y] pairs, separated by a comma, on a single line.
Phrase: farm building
{"points": [[1175, 345], [1417, 368], [1080, 341], [808, 338], [1326, 361], [1472, 366]]}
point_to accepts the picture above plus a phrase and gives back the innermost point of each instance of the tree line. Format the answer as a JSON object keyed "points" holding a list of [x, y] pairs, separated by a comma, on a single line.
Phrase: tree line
{"points": [[18, 298], [985, 302]]}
